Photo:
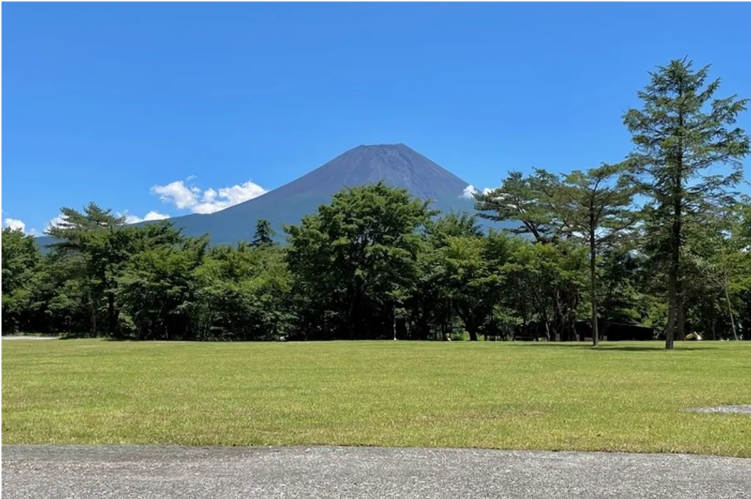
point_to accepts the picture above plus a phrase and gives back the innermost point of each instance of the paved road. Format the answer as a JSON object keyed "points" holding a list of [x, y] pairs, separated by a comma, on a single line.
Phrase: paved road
{"points": [[365, 473]]}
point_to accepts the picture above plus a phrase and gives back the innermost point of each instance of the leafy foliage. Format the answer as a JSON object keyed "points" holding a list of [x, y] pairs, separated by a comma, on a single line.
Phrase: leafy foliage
{"points": [[680, 133], [353, 260], [377, 263], [264, 234]]}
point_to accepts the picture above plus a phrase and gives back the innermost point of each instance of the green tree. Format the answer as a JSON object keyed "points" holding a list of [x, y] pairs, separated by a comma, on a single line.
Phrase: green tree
{"points": [[681, 131], [98, 245], [468, 280], [20, 264], [742, 238], [83, 236], [264, 234], [474, 268], [158, 290], [718, 271], [543, 283], [350, 258], [243, 294], [596, 207], [431, 302], [530, 202], [523, 200], [625, 295]]}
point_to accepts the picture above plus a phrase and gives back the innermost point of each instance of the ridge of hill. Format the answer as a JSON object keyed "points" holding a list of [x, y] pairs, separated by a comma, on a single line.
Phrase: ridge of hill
{"points": [[395, 164]]}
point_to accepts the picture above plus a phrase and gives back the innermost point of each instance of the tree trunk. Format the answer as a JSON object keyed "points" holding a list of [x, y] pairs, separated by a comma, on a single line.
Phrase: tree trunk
{"points": [[730, 312], [470, 324], [675, 255], [92, 308], [670, 329], [394, 321], [112, 315], [674, 290], [350, 316], [593, 287], [557, 320], [681, 316]]}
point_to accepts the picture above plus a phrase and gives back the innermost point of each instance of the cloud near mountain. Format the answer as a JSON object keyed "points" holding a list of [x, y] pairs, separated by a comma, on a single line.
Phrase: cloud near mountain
{"points": [[470, 191], [178, 194], [395, 164], [229, 214], [134, 219], [190, 197]]}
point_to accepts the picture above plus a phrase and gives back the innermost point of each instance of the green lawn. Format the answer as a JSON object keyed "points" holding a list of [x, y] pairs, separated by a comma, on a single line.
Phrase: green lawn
{"points": [[620, 397]]}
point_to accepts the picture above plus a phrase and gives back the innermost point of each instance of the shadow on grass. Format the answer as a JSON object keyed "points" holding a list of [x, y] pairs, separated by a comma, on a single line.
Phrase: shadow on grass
{"points": [[654, 347], [629, 348], [76, 336], [89, 336]]}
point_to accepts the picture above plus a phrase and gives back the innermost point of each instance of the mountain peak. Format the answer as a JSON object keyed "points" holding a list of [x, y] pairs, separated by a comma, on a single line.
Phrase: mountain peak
{"points": [[383, 146], [397, 165], [382, 149]]}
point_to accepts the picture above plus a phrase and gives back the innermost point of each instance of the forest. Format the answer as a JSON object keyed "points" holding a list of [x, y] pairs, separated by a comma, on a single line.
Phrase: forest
{"points": [[660, 239]]}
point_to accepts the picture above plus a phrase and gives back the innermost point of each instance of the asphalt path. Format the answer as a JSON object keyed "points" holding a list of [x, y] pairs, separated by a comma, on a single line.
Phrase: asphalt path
{"points": [[84, 472]]}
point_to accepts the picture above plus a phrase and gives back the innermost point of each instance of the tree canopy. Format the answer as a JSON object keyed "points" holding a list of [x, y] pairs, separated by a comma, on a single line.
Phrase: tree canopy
{"points": [[658, 240]]}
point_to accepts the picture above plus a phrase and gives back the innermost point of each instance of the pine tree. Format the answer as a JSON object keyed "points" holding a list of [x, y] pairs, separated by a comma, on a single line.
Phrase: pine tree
{"points": [[263, 235], [595, 207], [84, 236], [681, 131]]}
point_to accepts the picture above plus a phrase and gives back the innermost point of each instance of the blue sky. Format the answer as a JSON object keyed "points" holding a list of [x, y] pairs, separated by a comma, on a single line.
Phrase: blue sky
{"points": [[146, 107]]}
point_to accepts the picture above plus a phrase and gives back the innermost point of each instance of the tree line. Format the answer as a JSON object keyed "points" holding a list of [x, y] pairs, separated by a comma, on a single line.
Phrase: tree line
{"points": [[660, 239]]}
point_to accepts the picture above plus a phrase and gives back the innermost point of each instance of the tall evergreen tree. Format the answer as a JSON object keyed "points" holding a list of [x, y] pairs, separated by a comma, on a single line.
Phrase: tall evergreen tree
{"points": [[264, 234], [681, 131]]}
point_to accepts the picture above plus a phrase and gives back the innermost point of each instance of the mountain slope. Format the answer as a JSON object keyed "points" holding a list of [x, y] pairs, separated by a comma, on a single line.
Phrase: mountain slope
{"points": [[395, 164]]}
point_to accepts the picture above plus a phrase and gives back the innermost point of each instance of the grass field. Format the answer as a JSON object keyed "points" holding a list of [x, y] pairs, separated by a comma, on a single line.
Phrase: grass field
{"points": [[620, 397]]}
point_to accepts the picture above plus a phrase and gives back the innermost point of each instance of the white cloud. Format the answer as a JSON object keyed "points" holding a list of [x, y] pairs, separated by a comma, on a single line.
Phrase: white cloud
{"points": [[206, 201], [209, 195], [150, 216], [14, 224], [176, 193], [470, 191], [55, 222], [155, 215]]}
